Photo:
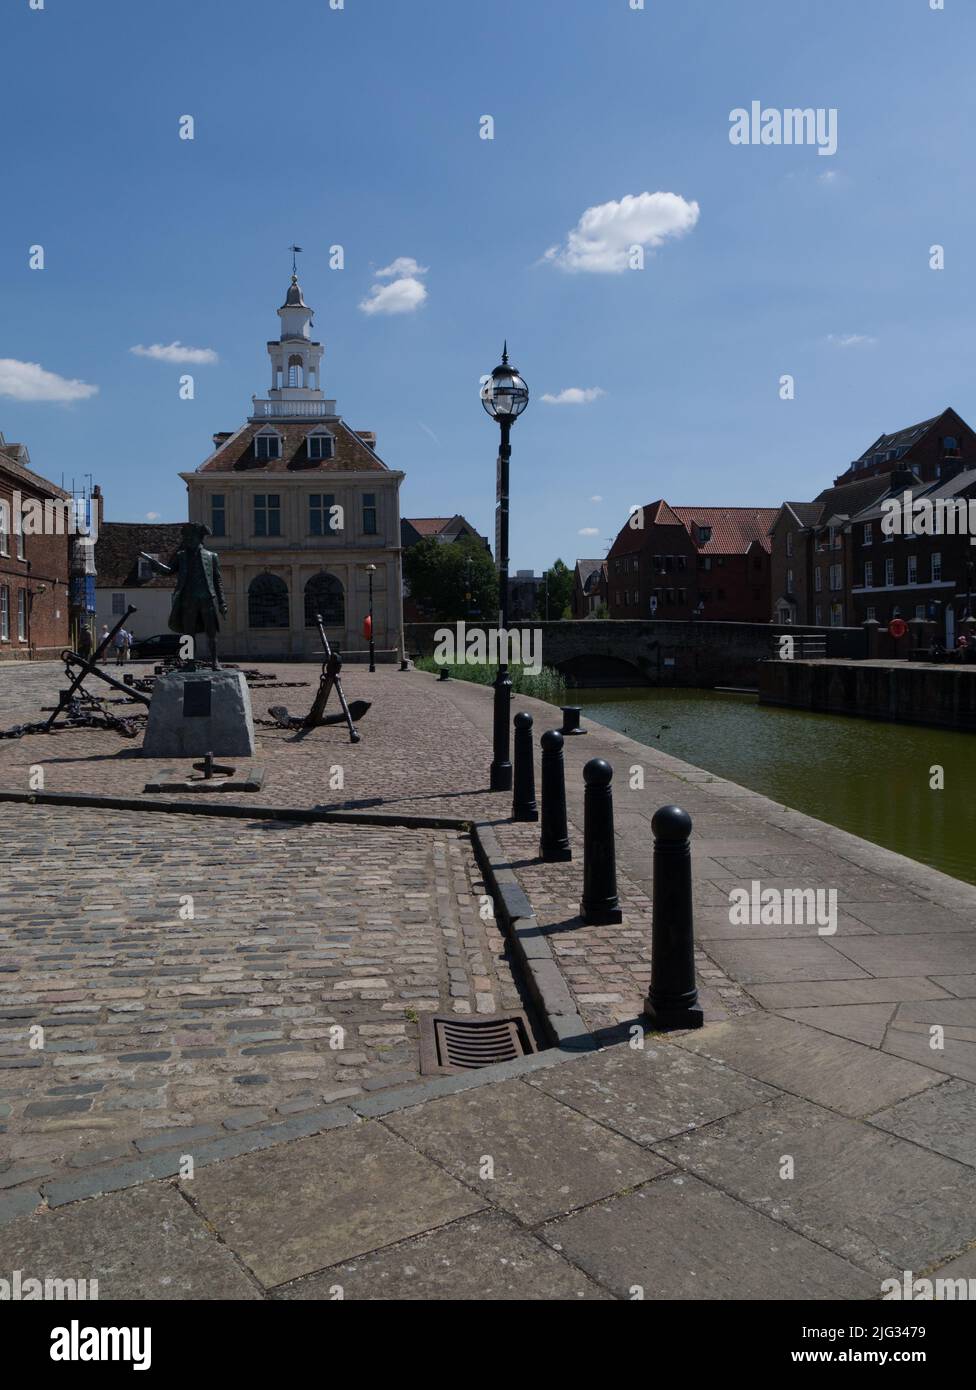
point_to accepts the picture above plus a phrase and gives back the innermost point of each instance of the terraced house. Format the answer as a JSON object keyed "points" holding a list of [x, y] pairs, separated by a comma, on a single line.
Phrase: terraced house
{"points": [[299, 505]]}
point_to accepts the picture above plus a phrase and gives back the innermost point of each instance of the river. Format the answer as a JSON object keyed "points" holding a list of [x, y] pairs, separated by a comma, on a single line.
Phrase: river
{"points": [[864, 776]]}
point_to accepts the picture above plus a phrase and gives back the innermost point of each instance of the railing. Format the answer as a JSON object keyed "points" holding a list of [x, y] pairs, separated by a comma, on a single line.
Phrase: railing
{"points": [[292, 409]]}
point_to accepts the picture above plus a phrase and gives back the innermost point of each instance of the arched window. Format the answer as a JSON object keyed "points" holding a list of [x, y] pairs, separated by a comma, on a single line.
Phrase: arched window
{"points": [[296, 371], [267, 602], [324, 594]]}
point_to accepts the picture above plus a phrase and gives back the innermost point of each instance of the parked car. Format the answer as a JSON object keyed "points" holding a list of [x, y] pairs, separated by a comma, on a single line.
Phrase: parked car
{"points": [[152, 648]]}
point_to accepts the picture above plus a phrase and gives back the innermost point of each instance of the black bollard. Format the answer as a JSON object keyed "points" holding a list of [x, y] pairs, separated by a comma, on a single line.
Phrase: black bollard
{"points": [[445, 674], [672, 1000], [554, 843], [600, 905], [571, 720], [523, 798]]}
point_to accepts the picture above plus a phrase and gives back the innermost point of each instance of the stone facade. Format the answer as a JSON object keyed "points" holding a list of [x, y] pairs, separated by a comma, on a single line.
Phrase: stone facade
{"points": [[299, 504]]}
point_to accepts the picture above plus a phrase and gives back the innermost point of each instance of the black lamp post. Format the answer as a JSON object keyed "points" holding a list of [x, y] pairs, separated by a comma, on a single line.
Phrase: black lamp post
{"points": [[504, 395], [371, 570]]}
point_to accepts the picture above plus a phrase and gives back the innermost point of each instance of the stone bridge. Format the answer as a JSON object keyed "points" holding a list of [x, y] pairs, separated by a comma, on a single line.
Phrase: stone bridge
{"points": [[659, 652]]}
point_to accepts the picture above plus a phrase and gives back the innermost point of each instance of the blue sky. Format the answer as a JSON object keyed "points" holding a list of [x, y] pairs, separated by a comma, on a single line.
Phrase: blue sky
{"points": [[360, 127]]}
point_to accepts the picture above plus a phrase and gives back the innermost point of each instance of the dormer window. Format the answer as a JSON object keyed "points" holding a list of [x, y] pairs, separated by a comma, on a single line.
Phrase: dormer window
{"points": [[321, 445], [146, 570], [267, 446], [704, 535]]}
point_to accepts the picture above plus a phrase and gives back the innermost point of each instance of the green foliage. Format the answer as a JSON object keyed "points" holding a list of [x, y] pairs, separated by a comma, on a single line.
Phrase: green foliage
{"points": [[547, 685], [441, 576], [560, 593]]}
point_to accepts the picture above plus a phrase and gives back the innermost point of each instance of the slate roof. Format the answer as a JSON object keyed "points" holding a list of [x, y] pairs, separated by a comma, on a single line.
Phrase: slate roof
{"points": [[945, 489], [353, 453], [901, 439], [117, 553]]}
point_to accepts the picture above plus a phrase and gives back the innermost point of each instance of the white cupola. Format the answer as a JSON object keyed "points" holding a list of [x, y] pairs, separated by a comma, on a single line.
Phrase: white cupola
{"points": [[295, 358]]}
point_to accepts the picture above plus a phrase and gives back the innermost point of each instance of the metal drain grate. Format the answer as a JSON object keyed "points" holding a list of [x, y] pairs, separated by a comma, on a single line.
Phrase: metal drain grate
{"points": [[450, 1044]]}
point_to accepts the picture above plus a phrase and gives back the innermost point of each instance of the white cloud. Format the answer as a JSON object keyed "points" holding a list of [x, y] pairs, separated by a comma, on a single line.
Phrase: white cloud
{"points": [[846, 340], [176, 352], [28, 381], [403, 265], [152, 516], [589, 531], [575, 395], [602, 239], [828, 176], [399, 297], [596, 498]]}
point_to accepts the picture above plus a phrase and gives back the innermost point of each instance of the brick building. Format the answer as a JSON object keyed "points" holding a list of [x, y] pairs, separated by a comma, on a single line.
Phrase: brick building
{"points": [[931, 450], [34, 569], [683, 562], [299, 504]]}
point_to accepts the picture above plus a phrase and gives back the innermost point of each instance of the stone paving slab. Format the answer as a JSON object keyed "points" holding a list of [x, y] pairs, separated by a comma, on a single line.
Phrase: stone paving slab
{"points": [[545, 1159], [964, 986], [921, 954], [486, 1258], [146, 1243], [758, 962], [651, 1093], [293, 1210], [807, 1062], [943, 1120], [905, 918], [678, 1238], [863, 1023], [806, 994], [877, 1201]]}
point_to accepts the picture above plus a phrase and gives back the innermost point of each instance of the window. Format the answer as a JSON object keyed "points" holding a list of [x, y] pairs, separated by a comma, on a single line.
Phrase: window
{"points": [[889, 572], [836, 577], [682, 562], [949, 442], [267, 602], [267, 514], [936, 567], [818, 616], [369, 513], [789, 581], [868, 533], [913, 569], [704, 535], [4, 613], [920, 610], [22, 614], [817, 580], [118, 605], [658, 564], [218, 514], [324, 594], [320, 446], [669, 564], [145, 570], [4, 529], [871, 613], [789, 544], [670, 596], [20, 541], [296, 371], [682, 595], [320, 506], [868, 574], [267, 446]]}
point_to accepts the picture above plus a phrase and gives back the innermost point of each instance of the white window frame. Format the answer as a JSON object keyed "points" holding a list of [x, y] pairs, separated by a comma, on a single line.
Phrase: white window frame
{"points": [[4, 529], [4, 613], [868, 574], [913, 569], [936, 566], [21, 615], [889, 573], [868, 534], [817, 581], [318, 437], [267, 434]]}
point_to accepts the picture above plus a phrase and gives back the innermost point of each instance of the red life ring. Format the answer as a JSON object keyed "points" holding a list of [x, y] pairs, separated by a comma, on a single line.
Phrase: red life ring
{"points": [[897, 627], [368, 628]]}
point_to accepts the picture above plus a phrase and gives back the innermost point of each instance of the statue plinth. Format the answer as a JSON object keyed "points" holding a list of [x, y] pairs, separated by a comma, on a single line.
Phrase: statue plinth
{"points": [[197, 712]]}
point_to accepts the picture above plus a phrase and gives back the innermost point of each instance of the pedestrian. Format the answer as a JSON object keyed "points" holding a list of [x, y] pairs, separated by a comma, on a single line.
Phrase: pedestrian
{"points": [[123, 640], [103, 637], [85, 641]]}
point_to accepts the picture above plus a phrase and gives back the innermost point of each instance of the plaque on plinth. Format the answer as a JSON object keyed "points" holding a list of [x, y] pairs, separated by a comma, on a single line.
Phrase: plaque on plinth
{"points": [[198, 712]]}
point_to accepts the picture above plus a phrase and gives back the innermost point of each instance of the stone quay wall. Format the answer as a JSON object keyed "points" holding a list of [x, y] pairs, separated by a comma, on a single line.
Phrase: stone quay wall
{"points": [[905, 692]]}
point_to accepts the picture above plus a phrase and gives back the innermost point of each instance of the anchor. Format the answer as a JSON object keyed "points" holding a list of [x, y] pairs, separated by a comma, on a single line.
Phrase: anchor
{"points": [[329, 679]]}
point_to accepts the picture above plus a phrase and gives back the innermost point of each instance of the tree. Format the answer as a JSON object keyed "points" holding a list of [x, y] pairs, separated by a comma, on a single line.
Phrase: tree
{"points": [[453, 581], [560, 584]]}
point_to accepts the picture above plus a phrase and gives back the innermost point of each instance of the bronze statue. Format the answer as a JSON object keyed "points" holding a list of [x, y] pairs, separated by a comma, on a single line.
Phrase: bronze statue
{"points": [[199, 594]]}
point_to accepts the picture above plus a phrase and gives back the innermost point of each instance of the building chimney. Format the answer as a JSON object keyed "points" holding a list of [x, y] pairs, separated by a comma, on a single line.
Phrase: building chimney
{"points": [[221, 437]]}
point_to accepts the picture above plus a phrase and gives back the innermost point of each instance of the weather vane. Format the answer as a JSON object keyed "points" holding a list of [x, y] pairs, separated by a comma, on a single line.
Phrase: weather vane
{"points": [[294, 264]]}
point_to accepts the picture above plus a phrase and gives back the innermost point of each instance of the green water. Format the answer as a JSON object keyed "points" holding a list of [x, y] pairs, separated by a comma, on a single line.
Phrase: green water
{"points": [[866, 777]]}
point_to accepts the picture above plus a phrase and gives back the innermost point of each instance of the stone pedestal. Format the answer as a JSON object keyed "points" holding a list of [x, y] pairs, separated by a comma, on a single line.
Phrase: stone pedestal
{"points": [[198, 712]]}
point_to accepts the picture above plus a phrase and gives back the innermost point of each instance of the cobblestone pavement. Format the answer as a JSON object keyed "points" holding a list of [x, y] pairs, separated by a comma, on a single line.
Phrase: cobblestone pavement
{"points": [[160, 1027]]}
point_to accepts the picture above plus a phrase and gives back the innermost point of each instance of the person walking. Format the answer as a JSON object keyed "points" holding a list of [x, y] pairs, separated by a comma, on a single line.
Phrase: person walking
{"points": [[123, 641], [101, 638]]}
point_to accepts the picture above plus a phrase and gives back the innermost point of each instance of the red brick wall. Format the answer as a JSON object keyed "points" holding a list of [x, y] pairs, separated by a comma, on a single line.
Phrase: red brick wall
{"points": [[44, 567]]}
